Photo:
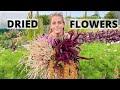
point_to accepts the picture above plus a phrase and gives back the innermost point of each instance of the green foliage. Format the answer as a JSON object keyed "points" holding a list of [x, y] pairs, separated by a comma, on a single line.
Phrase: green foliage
{"points": [[96, 13], [4, 30], [7, 41], [107, 57], [110, 15], [2, 37], [45, 18], [10, 34], [106, 60], [87, 30], [9, 61], [67, 28], [68, 17], [30, 34], [90, 17], [33, 33], [83, 30]]}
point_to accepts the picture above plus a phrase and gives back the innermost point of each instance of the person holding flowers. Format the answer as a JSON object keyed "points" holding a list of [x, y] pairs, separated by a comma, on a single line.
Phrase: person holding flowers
{"points": [[55, 56]]}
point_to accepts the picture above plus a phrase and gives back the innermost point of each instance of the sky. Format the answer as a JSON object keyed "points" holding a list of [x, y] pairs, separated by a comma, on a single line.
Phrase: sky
{"points": [[4, 15], [23, 14]]}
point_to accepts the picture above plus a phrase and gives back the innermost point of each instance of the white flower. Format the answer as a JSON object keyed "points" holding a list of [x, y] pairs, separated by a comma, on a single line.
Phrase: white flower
{"points": [[117, 42], [88, 36], [115, 50], [15, 51], [112, 42], [108, 44]]}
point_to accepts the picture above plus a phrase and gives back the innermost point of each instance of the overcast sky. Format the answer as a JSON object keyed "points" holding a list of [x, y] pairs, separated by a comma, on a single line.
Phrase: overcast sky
{"points": [[23, 14]]}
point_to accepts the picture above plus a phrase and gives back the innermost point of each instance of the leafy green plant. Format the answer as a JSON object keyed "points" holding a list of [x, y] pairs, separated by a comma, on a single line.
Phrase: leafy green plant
{"points": [[110, 15], [8, 62], [106, 60]]}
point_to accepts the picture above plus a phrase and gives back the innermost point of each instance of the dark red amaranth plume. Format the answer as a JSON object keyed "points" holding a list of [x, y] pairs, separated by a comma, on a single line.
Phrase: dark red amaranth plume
{"points": [[67, 49]]}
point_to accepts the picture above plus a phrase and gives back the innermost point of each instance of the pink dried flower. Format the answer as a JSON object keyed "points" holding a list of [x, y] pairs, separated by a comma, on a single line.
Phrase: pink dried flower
{"points": [[22, 61]]}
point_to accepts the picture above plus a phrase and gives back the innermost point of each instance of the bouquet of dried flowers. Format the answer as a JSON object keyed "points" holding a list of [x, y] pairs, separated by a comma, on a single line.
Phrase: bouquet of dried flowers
{"points": [[64, 64], [50, 58], [39, 56]]}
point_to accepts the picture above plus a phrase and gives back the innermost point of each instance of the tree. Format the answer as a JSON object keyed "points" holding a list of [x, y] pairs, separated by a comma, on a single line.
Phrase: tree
{"points": [[68, 17], [96, 13], [110, 15], [45, 18]]}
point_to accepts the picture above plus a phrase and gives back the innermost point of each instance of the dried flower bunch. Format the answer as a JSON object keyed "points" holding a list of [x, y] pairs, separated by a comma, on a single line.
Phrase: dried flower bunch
{"points": [[51, 58], [39, 58], [66, 57]]}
